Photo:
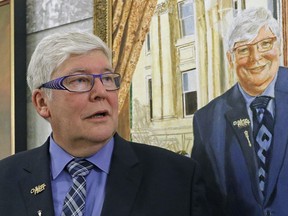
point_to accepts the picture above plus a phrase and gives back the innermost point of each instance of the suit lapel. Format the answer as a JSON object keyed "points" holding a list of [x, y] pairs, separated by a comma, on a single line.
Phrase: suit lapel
{"points": [[123, 181], [239, 120], [280, 131], [35, 185]]}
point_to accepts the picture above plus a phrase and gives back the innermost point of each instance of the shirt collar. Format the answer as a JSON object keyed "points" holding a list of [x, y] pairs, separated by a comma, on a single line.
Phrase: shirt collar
{"points": [[60, 158]]}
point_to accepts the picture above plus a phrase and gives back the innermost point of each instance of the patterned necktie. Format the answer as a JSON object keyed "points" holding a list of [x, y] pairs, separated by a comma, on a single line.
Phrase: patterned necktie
{"points": [[74, 202], [263, 133]]}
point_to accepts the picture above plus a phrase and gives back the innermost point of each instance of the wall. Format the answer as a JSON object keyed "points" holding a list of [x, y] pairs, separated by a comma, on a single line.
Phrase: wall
{"points": [[5, 87], [43, 18]]}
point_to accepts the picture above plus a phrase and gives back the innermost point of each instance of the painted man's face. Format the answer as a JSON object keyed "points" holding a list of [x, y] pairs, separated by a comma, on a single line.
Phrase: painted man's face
{"points": [[256, 62]]}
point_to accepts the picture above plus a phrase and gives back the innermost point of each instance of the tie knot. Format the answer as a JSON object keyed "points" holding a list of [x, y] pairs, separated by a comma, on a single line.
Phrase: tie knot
{"points": [[79, 167], [260, 102]]}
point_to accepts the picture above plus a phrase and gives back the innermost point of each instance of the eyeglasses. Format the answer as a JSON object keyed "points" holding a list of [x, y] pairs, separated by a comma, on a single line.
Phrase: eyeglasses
{"points": [[262, 46], [84, 82]]}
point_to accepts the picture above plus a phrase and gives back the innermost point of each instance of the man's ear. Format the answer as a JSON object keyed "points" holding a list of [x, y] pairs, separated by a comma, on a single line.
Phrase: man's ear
{"points": [[229, 58], [280, 45], [39, 100]]}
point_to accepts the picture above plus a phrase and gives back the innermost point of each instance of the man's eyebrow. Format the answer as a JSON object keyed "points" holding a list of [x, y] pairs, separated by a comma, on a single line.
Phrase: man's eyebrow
{"points": [[75, 70], [243, 42], [109, 68], [85, 70]]}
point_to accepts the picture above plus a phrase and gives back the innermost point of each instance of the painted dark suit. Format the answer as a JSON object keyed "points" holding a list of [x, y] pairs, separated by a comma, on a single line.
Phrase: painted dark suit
{"points": [[224, 148], [143, 180]]}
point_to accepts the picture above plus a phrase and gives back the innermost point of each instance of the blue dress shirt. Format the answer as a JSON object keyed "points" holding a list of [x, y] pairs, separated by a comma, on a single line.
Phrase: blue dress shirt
{"points": [[269, 91], [61, 180]]}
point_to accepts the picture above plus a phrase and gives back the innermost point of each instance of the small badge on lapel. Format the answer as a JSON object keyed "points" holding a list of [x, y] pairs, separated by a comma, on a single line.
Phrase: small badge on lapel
{"points": [[247, 137], [242, 123], [38, 189]]}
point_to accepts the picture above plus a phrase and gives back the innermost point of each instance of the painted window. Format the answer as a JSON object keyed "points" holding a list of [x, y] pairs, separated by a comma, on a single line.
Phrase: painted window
{"points": [[186, 18], [150, 97], [189, 92]]}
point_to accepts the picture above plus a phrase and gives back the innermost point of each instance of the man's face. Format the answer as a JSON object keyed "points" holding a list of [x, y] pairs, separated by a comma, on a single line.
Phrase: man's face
{"points": [[257, 63], [83, 120]]}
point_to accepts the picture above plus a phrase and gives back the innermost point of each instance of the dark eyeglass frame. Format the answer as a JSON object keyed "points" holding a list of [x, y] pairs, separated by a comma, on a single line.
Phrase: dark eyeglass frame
{"points": [[273, 39], [58, 83]]}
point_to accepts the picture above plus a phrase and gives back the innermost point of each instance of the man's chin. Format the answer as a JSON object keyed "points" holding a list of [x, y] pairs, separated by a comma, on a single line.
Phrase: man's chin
{"points": [[101, 136]]}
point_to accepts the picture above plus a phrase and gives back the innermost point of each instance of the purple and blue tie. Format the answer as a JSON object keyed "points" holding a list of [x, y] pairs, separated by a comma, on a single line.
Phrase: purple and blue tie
{"points": [[74, 202]]}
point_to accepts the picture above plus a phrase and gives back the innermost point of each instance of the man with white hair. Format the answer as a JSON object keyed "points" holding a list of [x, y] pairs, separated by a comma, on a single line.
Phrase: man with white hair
{"points": [[85, 168], [241, 137]]}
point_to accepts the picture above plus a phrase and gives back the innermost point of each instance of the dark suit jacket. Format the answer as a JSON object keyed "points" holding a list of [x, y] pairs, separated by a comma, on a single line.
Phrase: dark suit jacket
{"points": [[143, 180], [224, 148]]}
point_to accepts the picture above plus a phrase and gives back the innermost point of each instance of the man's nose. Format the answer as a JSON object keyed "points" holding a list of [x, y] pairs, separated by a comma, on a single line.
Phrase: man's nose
{"points": [[98, 90], [254, 55]]}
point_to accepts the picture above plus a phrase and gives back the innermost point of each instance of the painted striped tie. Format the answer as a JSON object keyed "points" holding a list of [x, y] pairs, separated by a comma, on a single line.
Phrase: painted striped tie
{"points": [[263, 134], [74, 202]]}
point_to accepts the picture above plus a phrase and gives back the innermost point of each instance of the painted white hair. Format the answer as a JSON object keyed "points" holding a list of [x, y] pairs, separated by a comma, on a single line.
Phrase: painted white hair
{"points": [[247, 24], [54, 49]]}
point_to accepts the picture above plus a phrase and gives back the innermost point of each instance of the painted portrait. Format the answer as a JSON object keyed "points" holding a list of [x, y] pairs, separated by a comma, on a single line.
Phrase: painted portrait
{"points": [[171, 55]]}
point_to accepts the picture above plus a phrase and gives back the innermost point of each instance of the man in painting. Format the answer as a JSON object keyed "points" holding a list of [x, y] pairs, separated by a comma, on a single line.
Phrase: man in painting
{"points": [[85, 167], [241, 137]]}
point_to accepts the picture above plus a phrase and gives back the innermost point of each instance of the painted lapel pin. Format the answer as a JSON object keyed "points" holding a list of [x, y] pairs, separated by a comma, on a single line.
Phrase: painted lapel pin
{"points": [[247, 137], [38, 189], [39, 213], [242, 123]]}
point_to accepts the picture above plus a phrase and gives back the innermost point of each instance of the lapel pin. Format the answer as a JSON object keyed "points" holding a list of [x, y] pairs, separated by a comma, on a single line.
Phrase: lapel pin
{"points": [[39, 213], [247, 137], [38, 189], [242, 123]]}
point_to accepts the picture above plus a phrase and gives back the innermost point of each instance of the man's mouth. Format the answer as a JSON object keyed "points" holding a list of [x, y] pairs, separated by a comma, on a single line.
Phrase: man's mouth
{"points": [[257, 69], [99, 115]]}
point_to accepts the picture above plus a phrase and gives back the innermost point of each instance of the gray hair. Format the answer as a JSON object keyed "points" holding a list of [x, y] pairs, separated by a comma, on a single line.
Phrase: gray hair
{"points": [[247, 24], [54, 49]]}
